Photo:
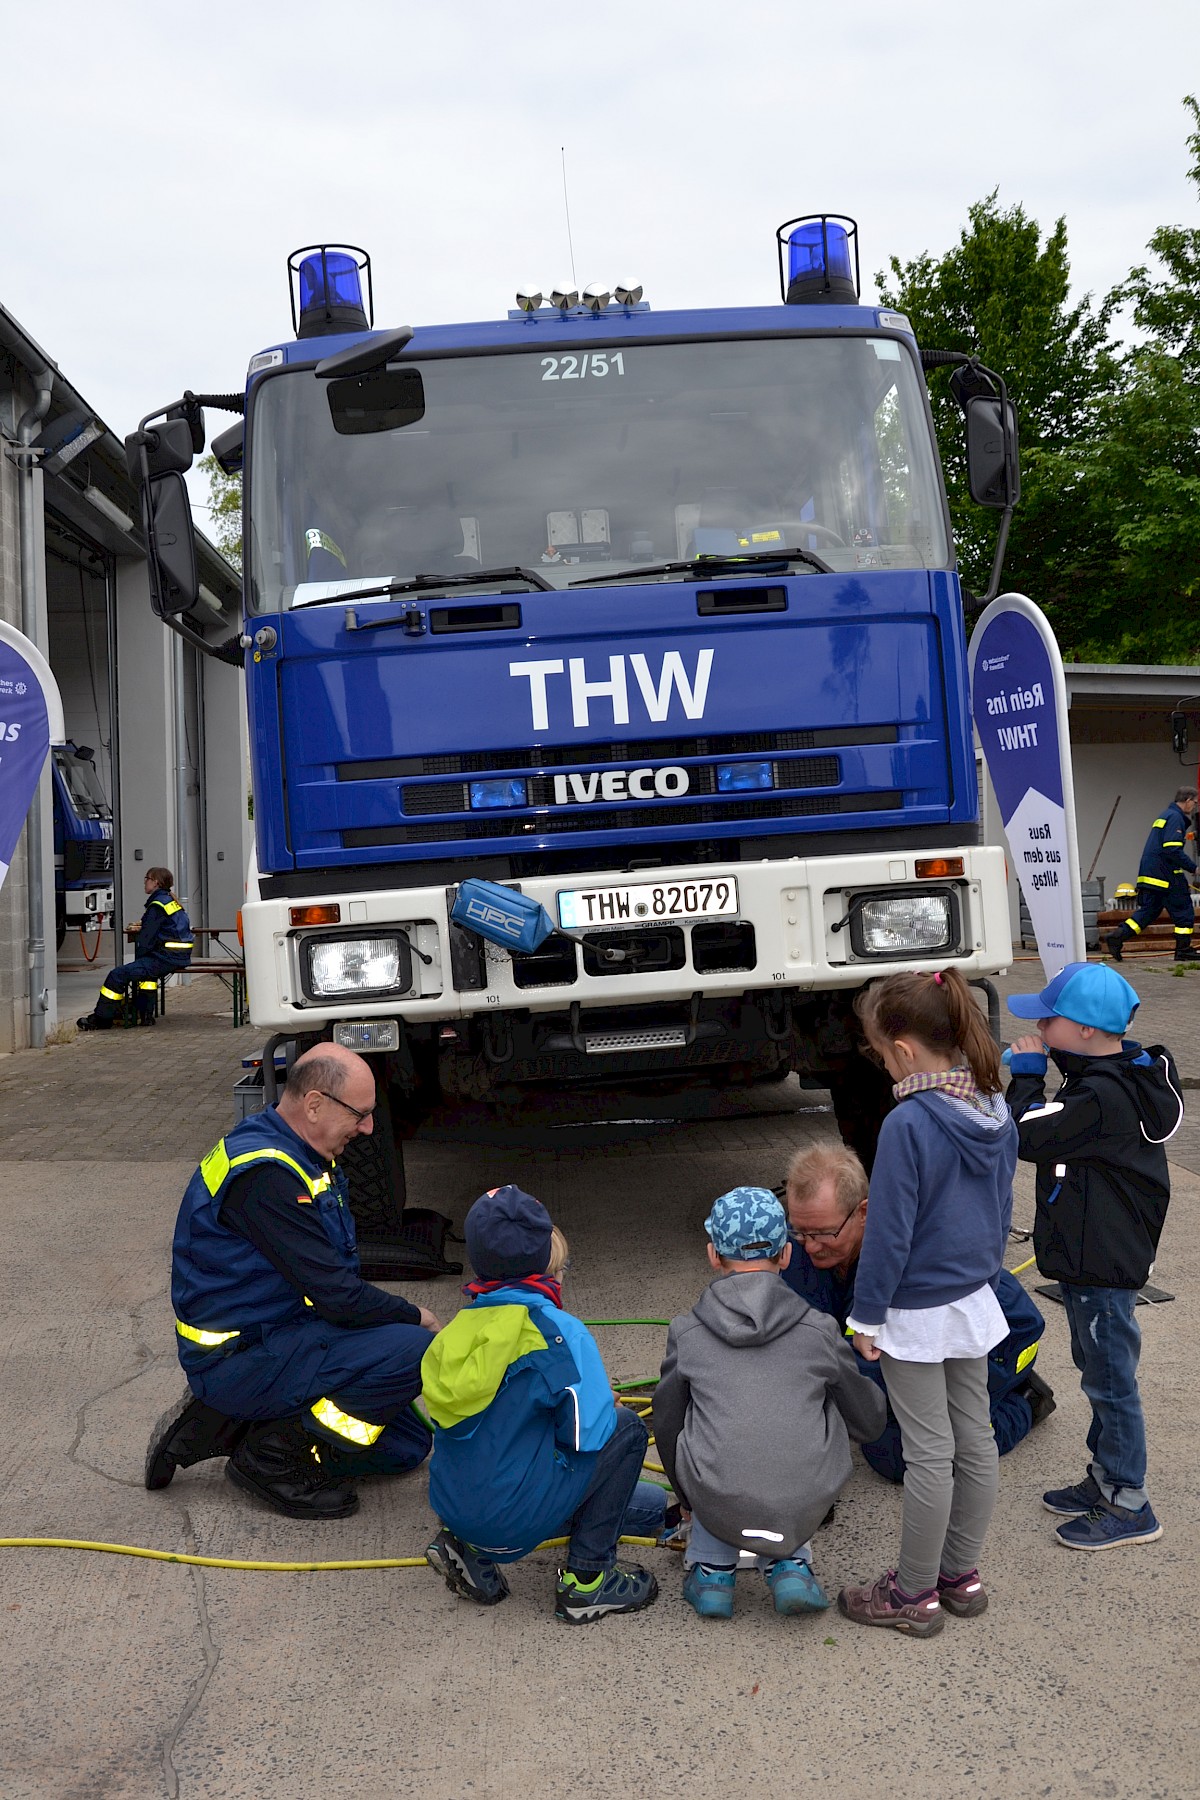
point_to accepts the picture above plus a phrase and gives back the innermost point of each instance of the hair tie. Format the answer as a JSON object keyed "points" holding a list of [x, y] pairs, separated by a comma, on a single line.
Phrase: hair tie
{"points": [[938, 977]]}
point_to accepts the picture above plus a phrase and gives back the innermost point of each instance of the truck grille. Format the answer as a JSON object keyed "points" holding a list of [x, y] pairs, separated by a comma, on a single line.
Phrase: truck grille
{"points": [[624, 818], [90, 857], [443, 808]]}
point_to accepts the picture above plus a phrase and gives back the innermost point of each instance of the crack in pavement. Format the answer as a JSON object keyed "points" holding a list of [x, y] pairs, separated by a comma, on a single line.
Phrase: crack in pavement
{"points": [[147, 1358], [212, 1656]]}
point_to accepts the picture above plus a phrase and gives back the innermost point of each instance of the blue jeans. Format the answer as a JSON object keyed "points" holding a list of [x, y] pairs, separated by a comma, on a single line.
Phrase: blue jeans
{"points": [[703, 1547], [1105, 1340], [616, 1502]]}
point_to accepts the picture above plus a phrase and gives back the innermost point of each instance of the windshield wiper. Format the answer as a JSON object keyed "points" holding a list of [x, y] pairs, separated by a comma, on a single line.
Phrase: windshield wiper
{"points": [[421, 583], [711, 565]]}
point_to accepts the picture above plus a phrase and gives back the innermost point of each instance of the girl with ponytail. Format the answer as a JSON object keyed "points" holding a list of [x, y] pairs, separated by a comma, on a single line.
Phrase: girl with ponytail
{"points": [[924, 1307]]}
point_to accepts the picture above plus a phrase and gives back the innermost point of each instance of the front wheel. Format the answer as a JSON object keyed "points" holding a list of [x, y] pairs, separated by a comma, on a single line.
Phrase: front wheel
{"points": [[374, 1168]]}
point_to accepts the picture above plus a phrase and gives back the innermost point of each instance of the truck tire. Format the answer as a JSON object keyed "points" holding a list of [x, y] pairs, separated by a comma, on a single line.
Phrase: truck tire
{"points": [[375, 1170], [862, 1099]]}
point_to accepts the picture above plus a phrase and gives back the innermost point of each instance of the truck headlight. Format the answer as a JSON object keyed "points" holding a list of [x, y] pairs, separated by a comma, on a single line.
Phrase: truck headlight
{"points": [[904, 924], [356, 965]]}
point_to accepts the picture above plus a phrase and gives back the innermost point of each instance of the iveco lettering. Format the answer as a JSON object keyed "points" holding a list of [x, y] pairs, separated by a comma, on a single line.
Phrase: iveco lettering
{"points": [[606, 679]]}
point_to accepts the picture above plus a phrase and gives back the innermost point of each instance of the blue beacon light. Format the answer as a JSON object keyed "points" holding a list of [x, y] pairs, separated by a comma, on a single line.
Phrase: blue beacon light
{"points": [[822, 260], [327, 290]]}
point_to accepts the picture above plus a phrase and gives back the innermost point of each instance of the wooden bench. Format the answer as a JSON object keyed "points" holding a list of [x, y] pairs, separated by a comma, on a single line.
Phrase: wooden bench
{"points": [[229, 966]]}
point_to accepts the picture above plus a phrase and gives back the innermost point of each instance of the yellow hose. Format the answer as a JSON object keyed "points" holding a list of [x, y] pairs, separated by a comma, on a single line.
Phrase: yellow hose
{"points": [[226, 1562], [1021, 1267]]}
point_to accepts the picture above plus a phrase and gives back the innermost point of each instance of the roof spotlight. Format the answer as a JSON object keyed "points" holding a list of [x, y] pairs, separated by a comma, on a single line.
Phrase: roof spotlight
{"points": [[530, 301], [564, 298], [626, 294], [595, 298]]}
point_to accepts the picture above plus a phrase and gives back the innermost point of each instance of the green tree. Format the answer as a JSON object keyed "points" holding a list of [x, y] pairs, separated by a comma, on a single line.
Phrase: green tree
{"points": [[1142, 468], [224, 509], [1002, 293]]}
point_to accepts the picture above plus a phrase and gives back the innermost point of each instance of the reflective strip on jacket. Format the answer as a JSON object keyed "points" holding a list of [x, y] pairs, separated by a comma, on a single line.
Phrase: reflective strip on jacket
{"points": [[222, 1288], [165, 931], [1165, 859]]}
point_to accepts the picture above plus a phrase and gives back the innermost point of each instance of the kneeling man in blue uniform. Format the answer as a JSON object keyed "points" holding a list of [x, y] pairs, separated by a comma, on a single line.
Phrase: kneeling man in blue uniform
{"points": [[299, 1371], [827, 1214]]}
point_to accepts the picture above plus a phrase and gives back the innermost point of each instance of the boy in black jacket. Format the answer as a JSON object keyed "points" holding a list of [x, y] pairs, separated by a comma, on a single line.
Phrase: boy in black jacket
{"points": [[1102, 1193]]}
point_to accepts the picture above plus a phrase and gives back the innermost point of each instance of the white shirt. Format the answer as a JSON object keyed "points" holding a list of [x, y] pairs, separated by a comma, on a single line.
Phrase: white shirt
{"points": [[968, 1327]]}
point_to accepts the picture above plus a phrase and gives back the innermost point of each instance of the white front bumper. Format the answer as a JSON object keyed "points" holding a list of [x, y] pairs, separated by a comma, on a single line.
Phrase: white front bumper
{"points": [[792, 904]]}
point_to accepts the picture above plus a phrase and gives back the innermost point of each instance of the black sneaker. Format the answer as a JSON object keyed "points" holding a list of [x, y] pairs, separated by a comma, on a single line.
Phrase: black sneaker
{"points": [[465, 1572], [1071, 1501], [1114, 940], [615, 1590], [189, 1432]]}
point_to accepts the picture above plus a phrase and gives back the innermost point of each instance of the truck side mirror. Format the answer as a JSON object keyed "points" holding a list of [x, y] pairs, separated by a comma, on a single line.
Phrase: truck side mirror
{"points": [[170, 543], [993, 465], [166, 448]]}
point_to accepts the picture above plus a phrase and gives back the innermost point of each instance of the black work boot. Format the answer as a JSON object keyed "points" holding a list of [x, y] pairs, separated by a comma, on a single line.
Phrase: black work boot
{"points": [[90, 1022], [1114, 940], [281, 1464], [1184, 951], [189, 1432], [1040, 1396]]}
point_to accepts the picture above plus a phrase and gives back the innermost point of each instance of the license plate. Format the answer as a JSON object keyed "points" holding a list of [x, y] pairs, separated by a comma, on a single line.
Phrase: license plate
{"points": [[589, 909]]}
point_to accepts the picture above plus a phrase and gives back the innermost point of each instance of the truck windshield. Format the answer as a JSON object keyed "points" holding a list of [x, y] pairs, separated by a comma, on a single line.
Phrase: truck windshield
{"points": [[590, 462], [83, 785]]}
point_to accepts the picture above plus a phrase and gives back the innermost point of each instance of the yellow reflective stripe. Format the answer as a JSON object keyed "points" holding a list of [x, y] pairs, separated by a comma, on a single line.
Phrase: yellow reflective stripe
{"points": [[1183, 931], [1172, 844], [1158, 824], [1026, 1357], [178, 943], [278, 1156], [306, 1300], [168, 906], [207, 1338], [1152, 881], [1131, 926], [321, 1185], [148, 984], [334, 1419], [111, 994]]}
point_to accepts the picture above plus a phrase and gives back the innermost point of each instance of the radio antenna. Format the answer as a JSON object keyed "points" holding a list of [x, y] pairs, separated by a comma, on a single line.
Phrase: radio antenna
{"points": [[567, 210]]}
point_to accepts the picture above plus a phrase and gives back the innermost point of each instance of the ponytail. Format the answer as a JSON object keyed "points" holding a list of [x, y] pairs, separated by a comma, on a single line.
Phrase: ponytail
{"points": [[939, 1012]]}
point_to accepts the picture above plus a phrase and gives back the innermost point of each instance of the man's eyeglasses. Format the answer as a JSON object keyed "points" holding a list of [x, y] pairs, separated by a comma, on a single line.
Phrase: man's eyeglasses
{"points": [[359, 1115], [822, 1237]]}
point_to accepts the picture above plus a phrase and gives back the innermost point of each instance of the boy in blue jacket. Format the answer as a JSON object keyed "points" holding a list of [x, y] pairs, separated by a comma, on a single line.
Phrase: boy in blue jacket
{"points": [[528, 1441]]}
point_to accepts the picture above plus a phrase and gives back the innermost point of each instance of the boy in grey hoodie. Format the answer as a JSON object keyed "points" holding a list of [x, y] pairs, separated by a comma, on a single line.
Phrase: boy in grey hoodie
{"points": [[758, 1398]]}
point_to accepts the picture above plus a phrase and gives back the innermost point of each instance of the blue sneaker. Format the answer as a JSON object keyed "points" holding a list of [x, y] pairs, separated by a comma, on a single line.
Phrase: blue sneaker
{"points": [[1106, 1526], [794, 1587], [465, 1572], [615, 1590], [709, 1592], [1073, 1500]]}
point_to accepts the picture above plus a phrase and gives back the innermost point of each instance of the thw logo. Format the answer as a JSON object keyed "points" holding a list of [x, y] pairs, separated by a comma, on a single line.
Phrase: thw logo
{"points": [[656, 691]]}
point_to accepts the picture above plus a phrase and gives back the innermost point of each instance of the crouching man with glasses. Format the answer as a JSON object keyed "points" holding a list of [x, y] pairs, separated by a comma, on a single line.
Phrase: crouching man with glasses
{"points": [[826, 1201], [299, 1371]]}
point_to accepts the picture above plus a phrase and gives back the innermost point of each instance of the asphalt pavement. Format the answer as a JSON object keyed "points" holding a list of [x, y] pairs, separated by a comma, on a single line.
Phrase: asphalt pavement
{"points": [[128, 1678]]}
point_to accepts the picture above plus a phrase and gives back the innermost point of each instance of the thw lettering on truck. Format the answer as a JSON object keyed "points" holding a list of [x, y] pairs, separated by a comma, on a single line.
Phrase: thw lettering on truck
{"points": [[656, 693]]}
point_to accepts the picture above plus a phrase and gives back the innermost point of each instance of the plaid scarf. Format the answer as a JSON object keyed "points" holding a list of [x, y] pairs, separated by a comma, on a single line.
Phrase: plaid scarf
{"points": [[956, 1084], [543, 1284]]}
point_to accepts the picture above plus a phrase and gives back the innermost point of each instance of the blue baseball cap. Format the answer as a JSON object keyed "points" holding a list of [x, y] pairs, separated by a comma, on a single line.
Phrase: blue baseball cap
{"points": [[746, 1224], [1086, 993], [508, 1234]]}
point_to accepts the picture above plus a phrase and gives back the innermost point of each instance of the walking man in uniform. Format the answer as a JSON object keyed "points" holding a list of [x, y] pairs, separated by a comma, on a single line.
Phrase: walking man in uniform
{"points": [[299, 1371], [1162, 881]]}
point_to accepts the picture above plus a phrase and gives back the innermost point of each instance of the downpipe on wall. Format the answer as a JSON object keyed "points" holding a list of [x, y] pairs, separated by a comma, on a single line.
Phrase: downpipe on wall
{"points": [[26, 460]]}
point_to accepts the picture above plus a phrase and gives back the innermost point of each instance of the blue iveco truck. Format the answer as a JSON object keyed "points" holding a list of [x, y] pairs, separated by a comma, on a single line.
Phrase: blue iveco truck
{"points": [[83, 842], [647, 619]]}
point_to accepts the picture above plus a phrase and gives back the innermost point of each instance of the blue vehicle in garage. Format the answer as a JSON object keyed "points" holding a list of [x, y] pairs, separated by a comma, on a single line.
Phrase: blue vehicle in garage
{"points": [[83, 842]]}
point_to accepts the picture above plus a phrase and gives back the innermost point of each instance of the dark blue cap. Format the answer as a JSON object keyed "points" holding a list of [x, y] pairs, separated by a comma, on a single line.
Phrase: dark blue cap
{"points": [[1087, 993], [508, 1234]]}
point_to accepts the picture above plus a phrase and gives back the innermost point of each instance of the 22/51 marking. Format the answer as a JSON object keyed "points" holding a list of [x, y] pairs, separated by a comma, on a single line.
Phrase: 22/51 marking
{"points": [[578, 368]]}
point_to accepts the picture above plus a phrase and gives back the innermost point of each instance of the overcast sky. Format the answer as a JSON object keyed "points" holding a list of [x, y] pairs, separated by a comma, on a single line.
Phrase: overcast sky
{"points": [[158, 162]]}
